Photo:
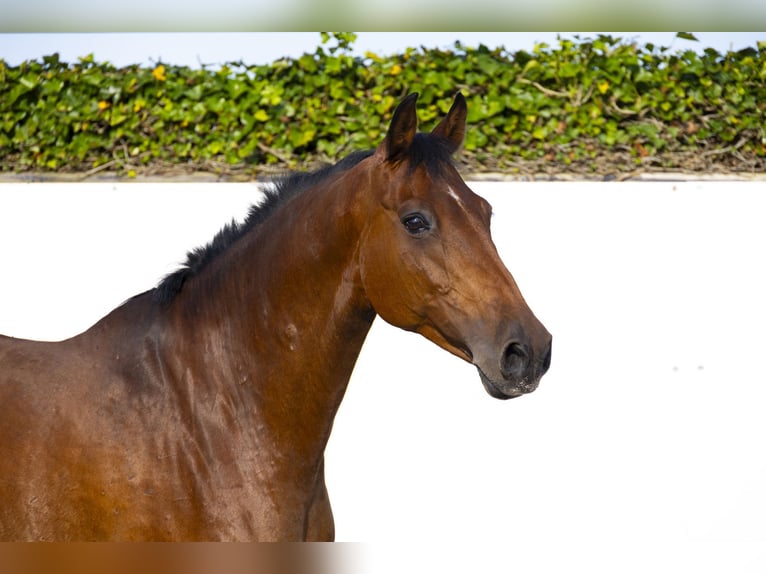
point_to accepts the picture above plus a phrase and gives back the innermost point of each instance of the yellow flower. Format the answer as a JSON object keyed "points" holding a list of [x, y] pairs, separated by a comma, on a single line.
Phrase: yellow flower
{"points": [[159, 73], [603, 86], [102, 105], [397, 69]]}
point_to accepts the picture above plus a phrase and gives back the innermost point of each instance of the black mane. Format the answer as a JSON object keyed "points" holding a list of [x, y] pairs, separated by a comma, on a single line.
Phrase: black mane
{"points": [[425, 149]]}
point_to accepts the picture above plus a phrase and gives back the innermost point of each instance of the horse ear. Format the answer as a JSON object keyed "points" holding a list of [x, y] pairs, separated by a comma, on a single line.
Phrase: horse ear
{"points": [[402, 130], [452, 126]]}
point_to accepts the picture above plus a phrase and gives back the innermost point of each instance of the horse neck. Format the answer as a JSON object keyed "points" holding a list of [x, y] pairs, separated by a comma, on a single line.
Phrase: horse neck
{"points": [[283, 318]]}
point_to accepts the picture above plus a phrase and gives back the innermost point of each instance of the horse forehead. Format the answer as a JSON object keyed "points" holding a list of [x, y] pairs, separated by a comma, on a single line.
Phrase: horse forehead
{"points": [[452, 188], [459, 194], [442, 189], [454, 195]]}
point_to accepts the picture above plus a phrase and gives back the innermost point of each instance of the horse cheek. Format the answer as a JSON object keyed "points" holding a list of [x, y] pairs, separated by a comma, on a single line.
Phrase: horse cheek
{"points": [[384, 284]]}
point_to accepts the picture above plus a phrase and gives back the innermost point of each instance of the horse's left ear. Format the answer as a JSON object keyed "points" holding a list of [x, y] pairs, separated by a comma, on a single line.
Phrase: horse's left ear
{"points": [[452, 126], [402, 130]]}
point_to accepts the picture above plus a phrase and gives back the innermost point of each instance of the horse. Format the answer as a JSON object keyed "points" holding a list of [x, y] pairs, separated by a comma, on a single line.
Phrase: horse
{"points": [[200, 409]]}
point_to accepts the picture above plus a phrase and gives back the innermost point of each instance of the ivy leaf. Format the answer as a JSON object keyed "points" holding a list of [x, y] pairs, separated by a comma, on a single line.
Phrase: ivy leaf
{"points": [[568, 104]]}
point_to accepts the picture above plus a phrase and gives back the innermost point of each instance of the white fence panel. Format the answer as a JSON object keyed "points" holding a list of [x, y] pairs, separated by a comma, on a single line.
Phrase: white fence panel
{"points": [[642, 450]]}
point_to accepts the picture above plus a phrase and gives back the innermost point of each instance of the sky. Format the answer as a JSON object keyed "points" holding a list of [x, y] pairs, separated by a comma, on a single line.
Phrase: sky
{"points": [[214, 48]]}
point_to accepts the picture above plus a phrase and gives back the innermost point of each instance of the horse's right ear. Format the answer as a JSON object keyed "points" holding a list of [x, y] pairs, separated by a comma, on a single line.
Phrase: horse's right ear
{"points": [[452, 128], [402, 130]]}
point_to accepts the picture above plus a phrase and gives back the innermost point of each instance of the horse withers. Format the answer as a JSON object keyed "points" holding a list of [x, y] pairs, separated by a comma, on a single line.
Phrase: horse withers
{"points": [[200, 410]]}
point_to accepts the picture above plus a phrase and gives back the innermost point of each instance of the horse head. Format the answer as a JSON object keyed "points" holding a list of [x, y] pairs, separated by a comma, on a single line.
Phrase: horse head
{"points": [[428, 263]]}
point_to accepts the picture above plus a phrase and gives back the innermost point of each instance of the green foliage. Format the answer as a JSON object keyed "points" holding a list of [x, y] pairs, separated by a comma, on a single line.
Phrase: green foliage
{"points": [[567, 105]]}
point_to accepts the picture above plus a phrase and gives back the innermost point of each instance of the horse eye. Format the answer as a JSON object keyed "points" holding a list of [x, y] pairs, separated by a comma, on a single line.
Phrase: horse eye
{"points": [[416, 224]]}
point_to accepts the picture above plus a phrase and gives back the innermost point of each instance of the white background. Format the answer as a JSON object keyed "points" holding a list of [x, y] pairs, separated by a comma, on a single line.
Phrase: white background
{"points": [[642, 450]]}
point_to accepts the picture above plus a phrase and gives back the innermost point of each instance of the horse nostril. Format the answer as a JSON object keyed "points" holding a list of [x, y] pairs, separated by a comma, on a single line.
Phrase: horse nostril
{"points": [[514, 361]]}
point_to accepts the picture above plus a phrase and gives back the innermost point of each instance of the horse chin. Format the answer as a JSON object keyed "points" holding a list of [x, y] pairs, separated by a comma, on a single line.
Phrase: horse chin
{"points": [[506, 390]]}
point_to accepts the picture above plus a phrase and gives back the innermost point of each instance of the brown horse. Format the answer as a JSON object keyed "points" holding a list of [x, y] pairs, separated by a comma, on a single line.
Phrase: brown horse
{"points": [[200, 410]]}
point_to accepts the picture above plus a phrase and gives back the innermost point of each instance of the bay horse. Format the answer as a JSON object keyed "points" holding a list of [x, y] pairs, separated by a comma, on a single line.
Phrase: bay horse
{"points": [[200, 410]]}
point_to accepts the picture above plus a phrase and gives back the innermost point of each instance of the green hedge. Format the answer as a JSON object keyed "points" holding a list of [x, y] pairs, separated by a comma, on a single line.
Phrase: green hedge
{"points": [[565, 106]]}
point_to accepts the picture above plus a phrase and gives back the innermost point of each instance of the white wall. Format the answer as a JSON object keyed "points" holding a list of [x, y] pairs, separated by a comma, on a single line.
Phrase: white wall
{"points": [[643, 448]]}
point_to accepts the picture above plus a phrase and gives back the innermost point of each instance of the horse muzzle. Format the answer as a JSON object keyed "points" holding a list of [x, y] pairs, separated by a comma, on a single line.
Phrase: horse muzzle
{"points": [[517, 371]]}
